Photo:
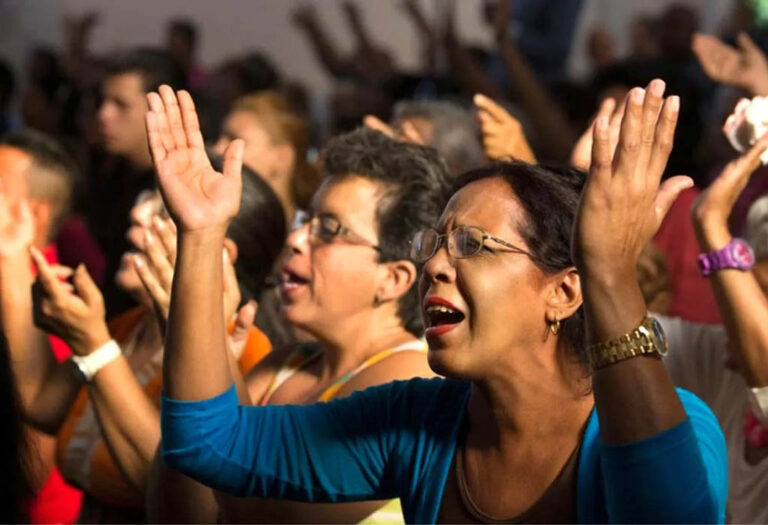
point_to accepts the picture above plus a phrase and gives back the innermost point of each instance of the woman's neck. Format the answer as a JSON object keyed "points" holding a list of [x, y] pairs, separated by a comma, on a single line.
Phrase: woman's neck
{"points": [[357, 339], [538, 403]]}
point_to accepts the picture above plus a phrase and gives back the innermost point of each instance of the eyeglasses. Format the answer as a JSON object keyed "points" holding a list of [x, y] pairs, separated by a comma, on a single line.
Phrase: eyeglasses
{"points": [[463, 242], [326, 228]]}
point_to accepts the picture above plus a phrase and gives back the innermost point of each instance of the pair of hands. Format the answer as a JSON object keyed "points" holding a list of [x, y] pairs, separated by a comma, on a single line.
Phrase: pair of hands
{"points": [[622, 204], [155, 268], [503, 135]]}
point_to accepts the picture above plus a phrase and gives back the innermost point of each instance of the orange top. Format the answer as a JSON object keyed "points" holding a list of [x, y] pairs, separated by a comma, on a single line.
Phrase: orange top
{"points": [[81, 453]]}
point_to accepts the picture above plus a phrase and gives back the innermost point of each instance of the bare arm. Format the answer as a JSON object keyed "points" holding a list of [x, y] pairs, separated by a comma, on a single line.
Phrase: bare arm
{"points": [[740, 300], [534, 96], [47, 388], [325, 51], [635, 398], [465, 68]]}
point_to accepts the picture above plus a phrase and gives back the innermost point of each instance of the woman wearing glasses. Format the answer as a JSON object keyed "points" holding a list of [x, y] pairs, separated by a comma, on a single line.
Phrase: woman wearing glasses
{"points": [[347, 280], [513, 435]]}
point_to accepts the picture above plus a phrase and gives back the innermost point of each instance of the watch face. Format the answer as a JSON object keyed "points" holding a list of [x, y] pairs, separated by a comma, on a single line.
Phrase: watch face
{"points": [[659, 337], [742, 254]]}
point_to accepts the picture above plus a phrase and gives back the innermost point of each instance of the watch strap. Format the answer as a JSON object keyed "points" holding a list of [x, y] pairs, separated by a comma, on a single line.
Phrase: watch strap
{"points": [[639, 341], [90, 364]]}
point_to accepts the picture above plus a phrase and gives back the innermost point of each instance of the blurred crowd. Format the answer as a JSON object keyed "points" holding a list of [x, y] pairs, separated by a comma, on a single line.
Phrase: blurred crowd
{"points": [[484, 223]]}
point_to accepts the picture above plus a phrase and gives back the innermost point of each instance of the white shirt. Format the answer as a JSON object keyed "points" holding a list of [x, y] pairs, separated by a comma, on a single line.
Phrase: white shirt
{"points": [[696, 362]]}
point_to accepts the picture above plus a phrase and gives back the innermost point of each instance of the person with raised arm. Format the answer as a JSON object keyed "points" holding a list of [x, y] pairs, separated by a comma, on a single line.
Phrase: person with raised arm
{"points": [[529, 425]]}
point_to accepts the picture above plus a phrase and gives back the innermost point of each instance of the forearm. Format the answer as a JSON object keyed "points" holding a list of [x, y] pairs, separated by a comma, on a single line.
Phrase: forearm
{"points": [[743, 308], [324, 49], [635, 398], [173, 497], [33, 361], [542, 110], [52, 403], [133, 424], [195, 364], [468, 73]]}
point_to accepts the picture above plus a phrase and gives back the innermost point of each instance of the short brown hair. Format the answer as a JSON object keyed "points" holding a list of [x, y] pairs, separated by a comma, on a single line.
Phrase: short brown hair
{"points": [[285, 125]]}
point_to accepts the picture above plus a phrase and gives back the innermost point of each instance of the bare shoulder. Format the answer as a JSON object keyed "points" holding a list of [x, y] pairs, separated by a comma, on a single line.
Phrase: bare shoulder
{"points": [[257, 381], [403, 365]]}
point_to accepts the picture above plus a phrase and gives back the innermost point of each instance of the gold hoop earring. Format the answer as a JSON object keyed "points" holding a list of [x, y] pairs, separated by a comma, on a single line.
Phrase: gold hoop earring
{"points": [[554, 326]]}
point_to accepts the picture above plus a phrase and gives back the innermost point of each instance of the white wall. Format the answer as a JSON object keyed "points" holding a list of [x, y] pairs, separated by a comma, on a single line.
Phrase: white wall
{"points": [[231, 26]]}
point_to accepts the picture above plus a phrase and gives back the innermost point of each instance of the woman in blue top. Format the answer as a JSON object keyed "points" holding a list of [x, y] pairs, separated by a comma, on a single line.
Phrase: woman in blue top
{"points": [[514, 434]]}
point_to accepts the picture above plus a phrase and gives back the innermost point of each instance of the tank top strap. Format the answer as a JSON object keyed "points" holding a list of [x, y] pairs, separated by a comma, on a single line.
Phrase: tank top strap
{"points": [[296, 360], [417, 345]]}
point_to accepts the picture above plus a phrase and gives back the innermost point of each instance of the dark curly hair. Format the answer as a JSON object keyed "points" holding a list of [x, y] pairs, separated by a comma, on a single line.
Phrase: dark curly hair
{"points": [[416, 183], [550, 197]]}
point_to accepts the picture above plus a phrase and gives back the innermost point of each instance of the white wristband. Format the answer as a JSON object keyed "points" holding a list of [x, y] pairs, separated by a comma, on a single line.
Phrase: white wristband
{"points": [[759, 400], [96, 360]]}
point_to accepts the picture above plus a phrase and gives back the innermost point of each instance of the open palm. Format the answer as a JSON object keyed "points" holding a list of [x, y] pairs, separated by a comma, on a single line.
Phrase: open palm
{"points": [[197, 196]]}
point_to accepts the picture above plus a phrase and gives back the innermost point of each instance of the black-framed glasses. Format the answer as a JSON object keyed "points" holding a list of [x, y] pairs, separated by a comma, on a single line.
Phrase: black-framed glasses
{"points": [[326, 227], [463, 242]]}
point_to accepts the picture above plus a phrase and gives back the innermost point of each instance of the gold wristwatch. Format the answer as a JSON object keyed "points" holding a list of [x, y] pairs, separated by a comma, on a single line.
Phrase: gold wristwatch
{"points": [[646, 339]]}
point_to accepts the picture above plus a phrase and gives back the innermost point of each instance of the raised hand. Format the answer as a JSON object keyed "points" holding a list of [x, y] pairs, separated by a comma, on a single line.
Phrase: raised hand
{"points": [[155, 268], [503, 135], [743, 67], [17, 227], [197, 197], [155, 265], [75, 314], [713, 207], [623, 204], [581, 155]]}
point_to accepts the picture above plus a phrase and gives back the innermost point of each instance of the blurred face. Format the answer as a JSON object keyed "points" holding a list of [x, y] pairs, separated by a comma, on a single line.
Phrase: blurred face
{"points": [[329, 281], [148, 204], [14, 164], [482, 311], [260, 154], [121, 115]]}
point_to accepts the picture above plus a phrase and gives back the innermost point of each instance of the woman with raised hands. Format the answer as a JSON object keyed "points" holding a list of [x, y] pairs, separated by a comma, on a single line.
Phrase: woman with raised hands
{"points": [[348, 281], [530, 425]]}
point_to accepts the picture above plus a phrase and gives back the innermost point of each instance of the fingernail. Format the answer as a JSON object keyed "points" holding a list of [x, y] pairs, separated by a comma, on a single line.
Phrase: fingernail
{"points": [[602, 123], [638, 95], [674, 103], [148, 237], [137, 261], [158, 223], [657, 87]]}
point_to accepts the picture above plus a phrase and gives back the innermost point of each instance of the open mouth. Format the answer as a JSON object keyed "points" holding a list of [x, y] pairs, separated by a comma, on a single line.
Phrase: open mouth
{"points": [[440, 315], [290, 281]]}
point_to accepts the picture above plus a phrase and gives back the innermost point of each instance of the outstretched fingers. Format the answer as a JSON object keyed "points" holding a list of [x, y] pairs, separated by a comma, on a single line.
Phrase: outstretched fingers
{"points": [[173, 114], [233, 159], [629, 147], [665, 137], [158, 124], [190, 121]]}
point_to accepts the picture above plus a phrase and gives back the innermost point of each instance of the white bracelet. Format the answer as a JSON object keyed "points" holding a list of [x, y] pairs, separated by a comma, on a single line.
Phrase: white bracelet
{"points": [[759, 400], [89, 364]]}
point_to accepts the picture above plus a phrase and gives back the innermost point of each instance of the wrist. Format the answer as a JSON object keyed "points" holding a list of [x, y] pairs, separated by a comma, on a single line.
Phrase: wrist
{"points": [[91, 341], [712, 235]]}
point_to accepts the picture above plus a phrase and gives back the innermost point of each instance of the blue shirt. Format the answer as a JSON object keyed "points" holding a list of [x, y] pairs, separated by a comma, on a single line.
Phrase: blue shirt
{"points": [[398, 440]]}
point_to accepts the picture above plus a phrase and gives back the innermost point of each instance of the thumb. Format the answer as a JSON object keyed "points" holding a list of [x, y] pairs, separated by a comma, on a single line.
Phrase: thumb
{"points": [[233, 159], [85, 287], [244, 320], [667, 194]]}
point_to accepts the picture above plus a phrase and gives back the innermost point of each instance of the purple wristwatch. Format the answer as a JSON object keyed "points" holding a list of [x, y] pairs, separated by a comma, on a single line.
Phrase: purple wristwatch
{"points": [[737, 254]]}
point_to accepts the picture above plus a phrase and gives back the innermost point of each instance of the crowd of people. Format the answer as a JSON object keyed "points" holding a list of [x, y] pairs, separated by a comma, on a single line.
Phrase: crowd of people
{"points": [[484, 293]]}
